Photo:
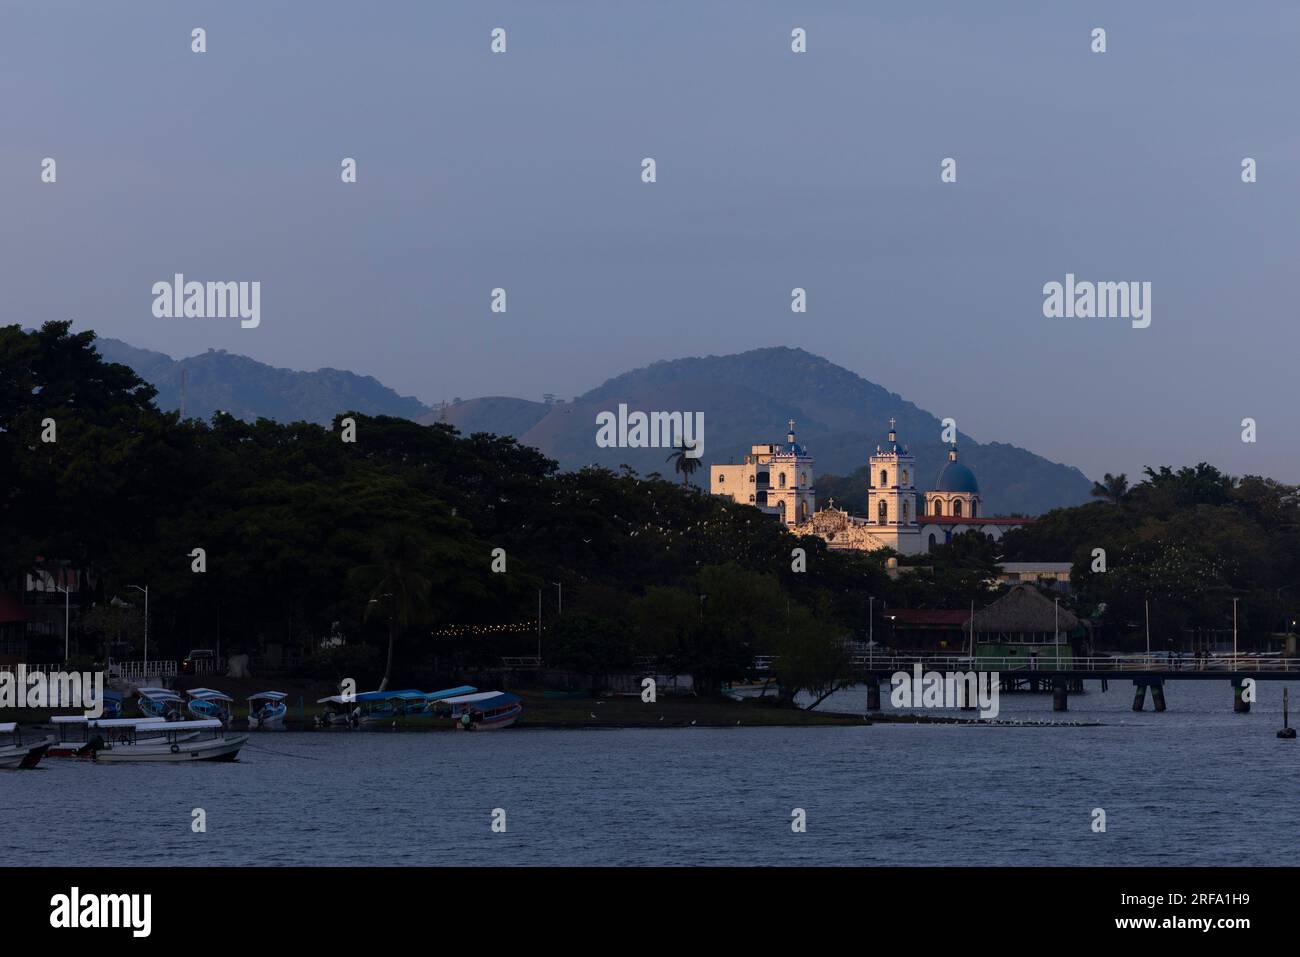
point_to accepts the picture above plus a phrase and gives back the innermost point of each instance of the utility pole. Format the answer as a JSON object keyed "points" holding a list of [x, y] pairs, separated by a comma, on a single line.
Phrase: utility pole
{"points": [[1234, 634], [66, 593], [145, 589], [1147, 605]]}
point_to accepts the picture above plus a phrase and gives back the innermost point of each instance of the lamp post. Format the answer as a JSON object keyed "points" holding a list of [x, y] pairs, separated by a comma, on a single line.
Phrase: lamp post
{"points": [[559, 609], [1234, 634], [145, 589], [66, 599]]}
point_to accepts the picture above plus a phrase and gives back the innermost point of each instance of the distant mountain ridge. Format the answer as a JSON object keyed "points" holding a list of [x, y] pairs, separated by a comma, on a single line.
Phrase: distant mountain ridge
{"points": [[746, 398], [247, 389]]}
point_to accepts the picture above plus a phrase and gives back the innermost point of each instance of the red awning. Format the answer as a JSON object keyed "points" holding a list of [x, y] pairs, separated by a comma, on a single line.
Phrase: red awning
{"points": [[11, 609]]}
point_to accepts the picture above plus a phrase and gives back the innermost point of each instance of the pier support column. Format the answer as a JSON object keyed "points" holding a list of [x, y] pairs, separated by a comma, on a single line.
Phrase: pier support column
{"points": [[1158, 695], [1139, 696], [873, 694], [1060, 695], [1239, 704]]}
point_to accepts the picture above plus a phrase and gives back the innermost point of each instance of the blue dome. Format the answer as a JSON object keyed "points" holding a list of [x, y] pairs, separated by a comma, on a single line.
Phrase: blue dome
{"points": [[956, 477]]}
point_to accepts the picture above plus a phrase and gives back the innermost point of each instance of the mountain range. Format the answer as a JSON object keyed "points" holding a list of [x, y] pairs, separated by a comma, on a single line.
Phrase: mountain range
{"points": [[746, 399]]}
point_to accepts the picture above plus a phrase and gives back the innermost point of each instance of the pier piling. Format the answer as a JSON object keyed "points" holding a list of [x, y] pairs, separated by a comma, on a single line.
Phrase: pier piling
{"points": [[1060, 695], [1158, 696], [1139, 696], [1239, 704], [873, 694]]}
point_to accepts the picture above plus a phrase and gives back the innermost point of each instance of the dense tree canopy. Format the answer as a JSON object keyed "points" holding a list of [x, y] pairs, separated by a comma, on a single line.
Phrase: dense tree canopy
{"points": [[392, 537]]}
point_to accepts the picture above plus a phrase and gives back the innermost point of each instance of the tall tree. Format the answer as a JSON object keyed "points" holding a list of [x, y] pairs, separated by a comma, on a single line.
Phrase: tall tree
{"points": [[1112, 488], [396, 585]]}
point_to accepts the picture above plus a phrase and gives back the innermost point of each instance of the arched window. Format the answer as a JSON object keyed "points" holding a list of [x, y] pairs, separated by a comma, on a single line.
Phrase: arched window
{"points": [[884, 479], [956, 508], [780, 509], [974, 507], [722, 480], [882, 513], [803, 478], [751, 480], [751, 500], [803, 511], [932, 541], [938, 506], [781, 479], [904, 477], [905, 511]]}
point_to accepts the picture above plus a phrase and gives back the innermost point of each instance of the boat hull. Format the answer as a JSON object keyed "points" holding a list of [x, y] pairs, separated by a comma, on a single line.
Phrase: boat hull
{"points": [[492, 724], [223, 749], [24, 755]]}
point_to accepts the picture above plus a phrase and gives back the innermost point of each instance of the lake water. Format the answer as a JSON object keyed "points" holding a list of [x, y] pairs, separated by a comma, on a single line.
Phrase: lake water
{"points": [[1197, 784]]}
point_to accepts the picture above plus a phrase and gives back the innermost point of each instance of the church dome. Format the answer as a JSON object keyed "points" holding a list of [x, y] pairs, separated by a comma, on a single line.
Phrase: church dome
{"points": [[956, 477]]}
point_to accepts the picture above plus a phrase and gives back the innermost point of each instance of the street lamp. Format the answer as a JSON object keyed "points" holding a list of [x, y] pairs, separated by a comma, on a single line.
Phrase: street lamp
{"points": [[145, 589], [560, 589], [66, 598]]}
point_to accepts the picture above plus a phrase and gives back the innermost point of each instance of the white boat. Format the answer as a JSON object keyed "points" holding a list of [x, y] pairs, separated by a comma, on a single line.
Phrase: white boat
{"points": [[81, 737], [175, 742], [340, 711], [266, 710], [485, 711], [19, 754]]}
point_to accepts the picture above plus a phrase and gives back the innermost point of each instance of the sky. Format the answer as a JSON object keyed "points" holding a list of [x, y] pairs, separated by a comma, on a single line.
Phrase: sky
{"points": [[821, 170]]}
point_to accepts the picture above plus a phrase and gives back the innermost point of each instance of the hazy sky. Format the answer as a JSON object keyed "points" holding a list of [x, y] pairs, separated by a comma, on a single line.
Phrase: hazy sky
{"points": [[775, 170]]}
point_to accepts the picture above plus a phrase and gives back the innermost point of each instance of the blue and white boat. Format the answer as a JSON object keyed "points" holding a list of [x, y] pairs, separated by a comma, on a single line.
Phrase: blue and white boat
{"points": [[161, 703], [267, 709], [207, 703], [404, 707], [484, 711], [112, 704]]}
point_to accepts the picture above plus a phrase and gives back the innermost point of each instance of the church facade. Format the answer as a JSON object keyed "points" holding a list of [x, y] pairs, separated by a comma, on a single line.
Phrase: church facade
{"points": [[900, 516], [776, 479]]}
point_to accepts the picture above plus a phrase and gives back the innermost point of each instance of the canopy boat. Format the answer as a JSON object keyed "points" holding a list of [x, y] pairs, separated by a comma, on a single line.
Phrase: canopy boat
{"points": [[15, 753], [340, 711], [209, 703], [485, 711], [161, 703], [112, 704], [175, 742], [404, 707], [267, 709], [80, 737]]}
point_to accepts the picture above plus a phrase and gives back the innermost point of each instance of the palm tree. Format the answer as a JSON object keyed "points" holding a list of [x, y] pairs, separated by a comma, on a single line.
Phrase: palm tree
{"points": [[1113, 488], [396, 584], [686, 464]]}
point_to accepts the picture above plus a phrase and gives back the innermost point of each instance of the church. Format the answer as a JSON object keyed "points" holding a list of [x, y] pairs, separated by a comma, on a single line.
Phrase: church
{"points": [[778, 479]]}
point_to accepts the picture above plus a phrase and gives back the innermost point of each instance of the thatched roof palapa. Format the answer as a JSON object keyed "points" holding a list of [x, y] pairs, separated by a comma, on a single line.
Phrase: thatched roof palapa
{"points": [[1023, 609]]}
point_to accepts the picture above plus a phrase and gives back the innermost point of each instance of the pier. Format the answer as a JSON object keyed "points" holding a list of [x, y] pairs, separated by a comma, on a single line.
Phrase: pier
{"points": [[1066, 675]]}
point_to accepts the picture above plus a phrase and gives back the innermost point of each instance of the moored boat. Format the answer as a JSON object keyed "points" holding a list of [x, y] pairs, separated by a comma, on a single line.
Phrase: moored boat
{"points": [[161, 703], [174, 742], [266, 710], [485, 711], [16, 753], [210, 703], [80, 737]]}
